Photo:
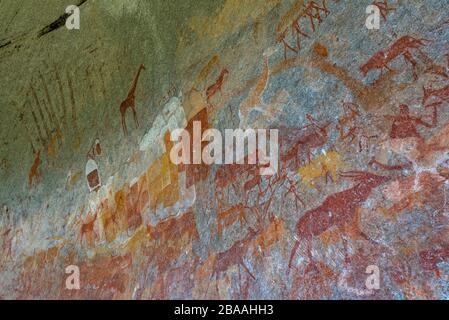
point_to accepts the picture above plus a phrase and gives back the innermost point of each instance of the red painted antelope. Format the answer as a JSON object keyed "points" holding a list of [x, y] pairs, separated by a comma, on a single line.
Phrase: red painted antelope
{"points": [[234, 256], [312, 136], [337, 210], [213, 89], [442, 94], [87, 229], [401, 47]]}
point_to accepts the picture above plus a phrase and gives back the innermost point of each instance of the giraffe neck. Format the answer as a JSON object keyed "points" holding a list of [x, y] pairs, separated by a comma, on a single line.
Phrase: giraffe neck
{"points": [[266, 65], [221, 77], [133, 88]]}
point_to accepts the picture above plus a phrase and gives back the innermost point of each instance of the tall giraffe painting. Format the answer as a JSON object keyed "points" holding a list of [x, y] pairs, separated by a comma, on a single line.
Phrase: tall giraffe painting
{"points": [[130, 102]]}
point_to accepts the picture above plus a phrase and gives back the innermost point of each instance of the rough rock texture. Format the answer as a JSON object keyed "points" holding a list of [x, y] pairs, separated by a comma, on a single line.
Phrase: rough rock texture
{"points": [[363, 124]]}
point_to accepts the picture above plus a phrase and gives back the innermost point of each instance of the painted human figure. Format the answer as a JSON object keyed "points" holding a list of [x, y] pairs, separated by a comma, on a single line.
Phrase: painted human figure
{"points": [[405, 126]]}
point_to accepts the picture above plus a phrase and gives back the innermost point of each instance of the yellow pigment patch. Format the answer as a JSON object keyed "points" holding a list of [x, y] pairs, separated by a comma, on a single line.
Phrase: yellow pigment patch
{"points": [[326, 164]]}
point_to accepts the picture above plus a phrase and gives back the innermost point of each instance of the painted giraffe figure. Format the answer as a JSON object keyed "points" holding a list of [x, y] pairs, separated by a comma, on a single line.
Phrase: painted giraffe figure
{"points": [[34, 171], [130, 102]]}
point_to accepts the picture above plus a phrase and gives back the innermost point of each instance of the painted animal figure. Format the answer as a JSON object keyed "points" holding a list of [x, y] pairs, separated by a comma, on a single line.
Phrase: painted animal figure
{"points": [[34, 171], [287, 46], [87, 229], [384, 8], [270, 235], [350, 127], [306, 139], [348, 122], [234, 256], [441, 94], [401, 47], [130, 102], [411, 191], [252, 179], [292, 189], [204, 73], [290, 157], [337, 210], [315, 138], [213, 89], [109, 221], [242, 177], [313, 11], [254, 98], [292, 22], [325, 166], [230, 216], [229, 175]]}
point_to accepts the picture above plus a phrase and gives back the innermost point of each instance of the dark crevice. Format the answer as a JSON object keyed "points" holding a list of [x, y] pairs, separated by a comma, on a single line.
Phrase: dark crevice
{"points": [[58, 23], [5, 44]]}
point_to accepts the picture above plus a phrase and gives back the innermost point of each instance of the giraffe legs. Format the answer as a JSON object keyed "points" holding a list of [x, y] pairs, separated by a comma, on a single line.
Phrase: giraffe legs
{"points": [[125, 130], [123, 108], [135, 117]]}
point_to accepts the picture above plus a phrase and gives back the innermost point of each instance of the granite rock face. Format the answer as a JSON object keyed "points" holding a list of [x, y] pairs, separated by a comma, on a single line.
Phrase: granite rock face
{"points": [[356, 210]]}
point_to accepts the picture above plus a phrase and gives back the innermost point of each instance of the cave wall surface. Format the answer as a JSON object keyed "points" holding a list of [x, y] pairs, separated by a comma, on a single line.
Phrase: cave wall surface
{"points": [[363, 123]]}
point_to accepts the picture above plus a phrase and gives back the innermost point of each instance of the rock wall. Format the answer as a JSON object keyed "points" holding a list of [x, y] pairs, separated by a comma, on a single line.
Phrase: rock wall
{"points": [[363, 122]]}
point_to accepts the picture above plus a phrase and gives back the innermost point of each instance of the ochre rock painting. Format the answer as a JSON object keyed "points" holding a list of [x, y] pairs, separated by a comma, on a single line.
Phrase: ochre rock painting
{"points": [[361, 185]]}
